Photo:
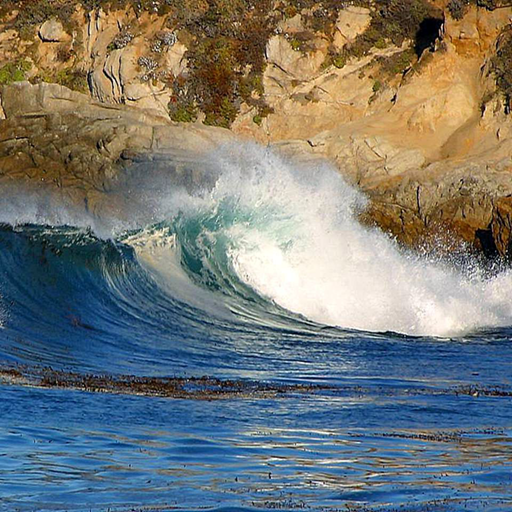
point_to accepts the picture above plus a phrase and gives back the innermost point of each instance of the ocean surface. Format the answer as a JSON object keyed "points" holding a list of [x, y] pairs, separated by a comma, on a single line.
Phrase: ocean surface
{"points": [[361, 376]]}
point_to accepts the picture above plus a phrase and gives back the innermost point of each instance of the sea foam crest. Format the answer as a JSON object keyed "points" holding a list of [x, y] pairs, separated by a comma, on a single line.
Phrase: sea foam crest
{"points": [[295, 239]]}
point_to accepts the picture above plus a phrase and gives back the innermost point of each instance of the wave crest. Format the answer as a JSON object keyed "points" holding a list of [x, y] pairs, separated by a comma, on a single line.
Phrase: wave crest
{"points": [[289, 234], [264, 241]]}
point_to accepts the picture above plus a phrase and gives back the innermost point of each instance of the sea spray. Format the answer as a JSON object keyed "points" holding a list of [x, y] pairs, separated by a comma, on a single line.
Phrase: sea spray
{"points": [[290, 233]]}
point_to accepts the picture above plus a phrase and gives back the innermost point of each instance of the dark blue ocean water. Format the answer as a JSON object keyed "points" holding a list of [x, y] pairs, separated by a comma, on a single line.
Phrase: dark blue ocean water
{"points": [[415, 421]]}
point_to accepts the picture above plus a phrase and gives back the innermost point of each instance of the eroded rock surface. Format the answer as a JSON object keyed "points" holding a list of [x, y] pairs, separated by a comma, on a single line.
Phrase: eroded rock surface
{"points": [[422, 128], [79, 151]]}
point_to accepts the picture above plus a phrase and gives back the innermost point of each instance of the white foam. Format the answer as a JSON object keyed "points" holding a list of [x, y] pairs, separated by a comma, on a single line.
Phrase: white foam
{"points": [[305, 250]]}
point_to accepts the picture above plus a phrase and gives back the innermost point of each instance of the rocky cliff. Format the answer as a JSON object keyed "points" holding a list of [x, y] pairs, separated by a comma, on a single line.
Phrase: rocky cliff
{"points": [[410, 99]]}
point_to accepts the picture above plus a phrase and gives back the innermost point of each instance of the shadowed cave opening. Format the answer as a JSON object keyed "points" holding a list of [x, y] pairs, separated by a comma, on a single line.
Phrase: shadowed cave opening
{"points": [[427, 34]]}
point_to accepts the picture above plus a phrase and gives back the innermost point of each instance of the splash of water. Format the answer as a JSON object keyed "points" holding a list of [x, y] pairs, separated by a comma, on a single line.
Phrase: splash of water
{"points": [[274, 237], [290, 233]]}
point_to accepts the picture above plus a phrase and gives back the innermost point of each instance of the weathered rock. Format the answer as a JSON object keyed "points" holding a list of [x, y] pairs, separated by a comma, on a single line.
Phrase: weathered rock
{"points": [[351, 22], [468, 202], [450, 107], [83, 152], [52, 31], [501, 225], [296, 64], [175, 61]]}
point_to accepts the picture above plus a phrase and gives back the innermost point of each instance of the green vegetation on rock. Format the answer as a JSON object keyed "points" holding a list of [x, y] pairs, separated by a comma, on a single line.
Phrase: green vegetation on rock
{"points": [[70, 77], [183, 112], [339, 60], [397, 63], [14, 72]]}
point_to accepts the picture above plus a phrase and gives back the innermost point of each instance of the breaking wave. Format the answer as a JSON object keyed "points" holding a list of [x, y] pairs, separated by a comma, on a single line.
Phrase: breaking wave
{"points": [[269, 244]]}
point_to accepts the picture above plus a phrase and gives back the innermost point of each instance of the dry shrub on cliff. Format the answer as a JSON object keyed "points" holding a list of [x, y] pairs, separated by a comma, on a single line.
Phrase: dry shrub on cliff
{"points": [[501, 68], [64, 52], [317, 16], [458, 8], [226, 56]]}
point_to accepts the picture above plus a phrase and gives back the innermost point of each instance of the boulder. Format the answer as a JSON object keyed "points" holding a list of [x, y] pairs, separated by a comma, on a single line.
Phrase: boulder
{"points": [[52, 31]]}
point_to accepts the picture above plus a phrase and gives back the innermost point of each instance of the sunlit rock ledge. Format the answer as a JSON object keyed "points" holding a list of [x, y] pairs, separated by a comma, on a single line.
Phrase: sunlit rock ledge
{"points": [[418, 120]]}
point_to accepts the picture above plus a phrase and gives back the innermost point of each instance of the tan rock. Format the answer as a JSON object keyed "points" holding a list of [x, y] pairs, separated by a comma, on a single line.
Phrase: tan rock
{"points": [[52, 31], [175, 61], [450, 108], [135, 92], [291, 25], [148, 97], [8, 44], [23, 99], [476, 32], [120, 67], [294, 63], [352, 21], [431, 149]]}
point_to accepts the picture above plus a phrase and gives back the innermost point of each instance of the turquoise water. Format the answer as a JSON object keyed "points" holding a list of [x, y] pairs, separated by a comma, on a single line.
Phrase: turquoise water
{"points": [[273, 282]]}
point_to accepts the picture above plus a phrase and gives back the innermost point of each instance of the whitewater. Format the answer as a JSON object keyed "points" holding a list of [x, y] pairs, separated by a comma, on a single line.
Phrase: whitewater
{"points": [[290, 233]]}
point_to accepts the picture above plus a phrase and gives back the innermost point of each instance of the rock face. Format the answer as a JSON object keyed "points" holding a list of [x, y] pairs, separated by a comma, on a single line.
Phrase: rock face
{"points": [[423, 131], [81, 152], [468, 202], [114, 54]]}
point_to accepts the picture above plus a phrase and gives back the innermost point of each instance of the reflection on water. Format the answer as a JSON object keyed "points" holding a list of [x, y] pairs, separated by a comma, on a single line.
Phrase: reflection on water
{"points": [[119, 452]]}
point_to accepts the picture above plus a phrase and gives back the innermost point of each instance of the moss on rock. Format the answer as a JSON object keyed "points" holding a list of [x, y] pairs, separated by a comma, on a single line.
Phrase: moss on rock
{"points": [[14, 71]]}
